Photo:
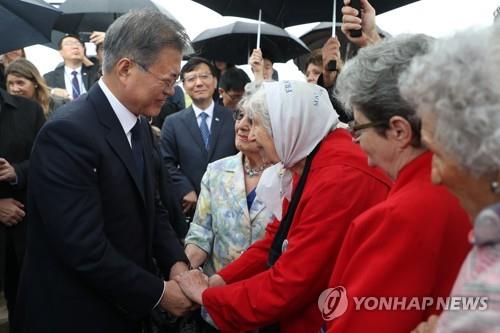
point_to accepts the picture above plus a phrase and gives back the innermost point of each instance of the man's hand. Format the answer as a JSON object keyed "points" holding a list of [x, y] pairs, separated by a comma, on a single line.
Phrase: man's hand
{"points": [[7, 171], [216, 281], [178, 268], [11, 211], [193, 284], [189, 202], [174, 300], [428, 326], [331, 52], [97, 37], [59, 92], [350, 21], [256, 62]]}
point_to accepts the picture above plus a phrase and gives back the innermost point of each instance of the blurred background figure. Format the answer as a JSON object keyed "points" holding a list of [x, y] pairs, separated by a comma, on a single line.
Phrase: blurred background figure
{"points": [[314, 66], [23, 79], [232, 86], [459, 106], [5, 60], [73, 78]]}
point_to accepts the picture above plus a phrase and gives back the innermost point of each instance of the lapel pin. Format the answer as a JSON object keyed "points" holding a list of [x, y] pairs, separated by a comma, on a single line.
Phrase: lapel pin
{"points": [[216, 119]]}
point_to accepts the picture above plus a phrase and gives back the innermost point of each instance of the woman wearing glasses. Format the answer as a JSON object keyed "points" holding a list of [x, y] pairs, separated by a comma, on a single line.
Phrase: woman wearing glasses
{"points": [[228, 216], [409, 247]]}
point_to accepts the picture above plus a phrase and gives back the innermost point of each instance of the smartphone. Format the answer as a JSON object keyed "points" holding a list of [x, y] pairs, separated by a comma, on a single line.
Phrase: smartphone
{"points": [[356, 4], [84, 36]]}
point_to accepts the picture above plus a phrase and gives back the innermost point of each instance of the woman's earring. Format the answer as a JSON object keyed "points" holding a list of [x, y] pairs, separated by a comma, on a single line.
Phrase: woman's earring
{"points": [[495, 187]]}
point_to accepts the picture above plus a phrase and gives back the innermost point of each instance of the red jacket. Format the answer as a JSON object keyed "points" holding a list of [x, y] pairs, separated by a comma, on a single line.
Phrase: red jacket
{"points": [[339, 187], [410, 245]]}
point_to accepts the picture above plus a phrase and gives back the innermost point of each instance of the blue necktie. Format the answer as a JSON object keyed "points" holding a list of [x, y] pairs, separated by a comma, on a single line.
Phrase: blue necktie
{"points": [[137, 150], [75, 86], [205, 132]]}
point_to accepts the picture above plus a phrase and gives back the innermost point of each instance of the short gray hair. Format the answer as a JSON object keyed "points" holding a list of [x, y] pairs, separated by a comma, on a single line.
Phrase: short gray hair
{"points": [[254, 103], [458, 82], [369, 81], [140, 35]]}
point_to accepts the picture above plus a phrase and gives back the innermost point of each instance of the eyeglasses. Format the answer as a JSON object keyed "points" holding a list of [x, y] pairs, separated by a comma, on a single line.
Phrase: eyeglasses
{"points": [[236, 96], [238, 114], [191, 78], [355, 128], [168, 84]]}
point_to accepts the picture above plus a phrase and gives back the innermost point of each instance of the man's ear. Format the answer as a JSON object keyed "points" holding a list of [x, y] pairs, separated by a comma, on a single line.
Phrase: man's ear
{"points": [[123, 68], [400, 130]]}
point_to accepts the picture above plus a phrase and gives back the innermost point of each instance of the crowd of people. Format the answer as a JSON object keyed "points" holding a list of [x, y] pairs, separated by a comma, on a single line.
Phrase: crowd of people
{"points": [[130, 204]]}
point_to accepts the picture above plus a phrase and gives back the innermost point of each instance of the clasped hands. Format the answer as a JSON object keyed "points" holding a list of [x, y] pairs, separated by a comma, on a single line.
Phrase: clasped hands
{"points": [[183, 292]]}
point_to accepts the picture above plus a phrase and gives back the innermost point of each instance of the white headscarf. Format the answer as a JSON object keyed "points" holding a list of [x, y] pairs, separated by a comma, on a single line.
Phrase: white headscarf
{"points": [[301, 115]]}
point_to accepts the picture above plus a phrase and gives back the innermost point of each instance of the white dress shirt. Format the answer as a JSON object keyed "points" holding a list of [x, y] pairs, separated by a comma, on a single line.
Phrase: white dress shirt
{"points": [[209, 111], [68, 77]]}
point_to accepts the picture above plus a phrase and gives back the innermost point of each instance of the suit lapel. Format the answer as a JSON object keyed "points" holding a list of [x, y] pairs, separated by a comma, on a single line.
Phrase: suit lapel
{"points": [[60, 82], [192, 125], [215, 129], [85, 78], [116, 136]]}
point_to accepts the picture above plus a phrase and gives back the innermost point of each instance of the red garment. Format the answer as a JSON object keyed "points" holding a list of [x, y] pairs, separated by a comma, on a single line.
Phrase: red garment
{"points": [[339, 187], [412, 244]]}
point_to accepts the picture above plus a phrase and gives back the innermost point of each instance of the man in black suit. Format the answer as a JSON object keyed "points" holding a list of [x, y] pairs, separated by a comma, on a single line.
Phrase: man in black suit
{"points": [[73, 78], [96, 232], [197, 135], [20, 121]]}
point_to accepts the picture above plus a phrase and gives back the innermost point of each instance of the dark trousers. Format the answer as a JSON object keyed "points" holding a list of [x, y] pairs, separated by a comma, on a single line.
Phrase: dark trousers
{"points": [[13, 265]]}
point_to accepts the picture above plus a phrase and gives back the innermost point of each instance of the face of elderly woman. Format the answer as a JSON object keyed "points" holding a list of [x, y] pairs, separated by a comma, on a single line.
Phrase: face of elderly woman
{"points": [[264, 140], [381, 151], [473, 193], [243, 141]]}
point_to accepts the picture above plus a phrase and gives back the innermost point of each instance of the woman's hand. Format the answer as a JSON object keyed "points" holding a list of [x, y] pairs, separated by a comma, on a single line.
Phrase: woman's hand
{"points": [[193, 283], [428, 326]]}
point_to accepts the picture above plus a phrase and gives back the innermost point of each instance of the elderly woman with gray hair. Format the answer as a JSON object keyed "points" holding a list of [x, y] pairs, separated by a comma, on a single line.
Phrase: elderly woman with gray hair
{"points": [[409, 247], [456, 91], [276, 283]]}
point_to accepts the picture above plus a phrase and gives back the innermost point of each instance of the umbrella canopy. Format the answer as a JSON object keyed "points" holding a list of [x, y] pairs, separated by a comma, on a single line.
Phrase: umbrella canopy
{"points": [[291, 12], [31, 20], [233, 43], [97, 15]]}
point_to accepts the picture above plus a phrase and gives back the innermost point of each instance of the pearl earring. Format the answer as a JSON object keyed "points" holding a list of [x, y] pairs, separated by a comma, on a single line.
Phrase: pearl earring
{"points": [[495, 187]]}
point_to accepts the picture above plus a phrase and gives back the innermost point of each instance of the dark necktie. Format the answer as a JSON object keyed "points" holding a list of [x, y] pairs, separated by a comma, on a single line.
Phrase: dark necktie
{"points": [[75, 86], [137, 150], [205, 132]]}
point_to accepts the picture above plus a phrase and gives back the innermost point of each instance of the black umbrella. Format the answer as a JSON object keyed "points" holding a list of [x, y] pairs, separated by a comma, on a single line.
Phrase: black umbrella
{"points": [[97, 15], [232, 43], [291, 12], [24, 23]]}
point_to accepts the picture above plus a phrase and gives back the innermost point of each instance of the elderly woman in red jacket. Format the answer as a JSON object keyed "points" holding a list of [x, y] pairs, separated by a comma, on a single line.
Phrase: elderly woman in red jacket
{"points": [[276, 283], [407, 250]]}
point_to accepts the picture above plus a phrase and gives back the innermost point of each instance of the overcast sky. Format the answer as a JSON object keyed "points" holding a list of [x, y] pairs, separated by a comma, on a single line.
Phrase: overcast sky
{"points": [[434, 17]]}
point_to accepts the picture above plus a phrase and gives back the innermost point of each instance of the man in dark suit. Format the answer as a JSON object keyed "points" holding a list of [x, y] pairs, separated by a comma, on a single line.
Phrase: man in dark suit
{"points": [[20, 121], [73, 76], [197, 135], [96, 233]]}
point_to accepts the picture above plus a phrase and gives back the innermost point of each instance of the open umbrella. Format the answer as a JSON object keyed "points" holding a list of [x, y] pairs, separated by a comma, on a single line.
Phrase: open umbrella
{"points": [[232, 43], [291, 12], [31, 20], [90, 15]]}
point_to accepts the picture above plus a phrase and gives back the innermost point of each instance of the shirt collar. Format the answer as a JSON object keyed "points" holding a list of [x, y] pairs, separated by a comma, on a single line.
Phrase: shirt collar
{"points": [[127, 119], [68, 70], [209, 110]]}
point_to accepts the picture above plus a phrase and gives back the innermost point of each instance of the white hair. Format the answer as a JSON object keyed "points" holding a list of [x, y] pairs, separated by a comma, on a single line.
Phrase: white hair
{"points": [[458, 82]]}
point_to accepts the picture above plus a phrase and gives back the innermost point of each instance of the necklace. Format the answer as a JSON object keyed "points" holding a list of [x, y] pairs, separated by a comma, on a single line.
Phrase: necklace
{"points": [[252, 172]]}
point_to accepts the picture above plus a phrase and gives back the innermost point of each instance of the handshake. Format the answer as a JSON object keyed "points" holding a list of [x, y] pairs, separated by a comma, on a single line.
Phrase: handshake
{"points": [[183, 292]]}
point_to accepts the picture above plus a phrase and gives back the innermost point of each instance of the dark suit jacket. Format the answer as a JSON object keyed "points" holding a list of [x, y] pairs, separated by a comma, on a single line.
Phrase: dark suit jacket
{"points": [[93, 231], [183, 150], [20, 121], [55, 78]]}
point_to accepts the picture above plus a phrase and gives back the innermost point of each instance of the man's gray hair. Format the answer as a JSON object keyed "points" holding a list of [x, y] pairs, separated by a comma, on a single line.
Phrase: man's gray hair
{"points": [[140, 35], [369, 81], [458, 82], [254, 103]]}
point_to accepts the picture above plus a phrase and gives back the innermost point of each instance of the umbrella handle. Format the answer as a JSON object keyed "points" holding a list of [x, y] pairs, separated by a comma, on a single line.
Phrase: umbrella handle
{"points": [[356, 4]]}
